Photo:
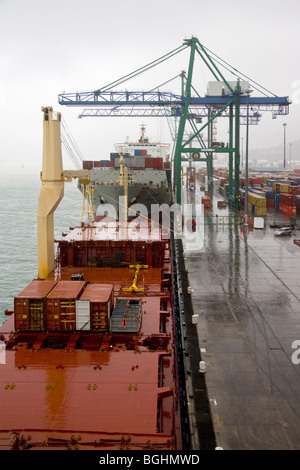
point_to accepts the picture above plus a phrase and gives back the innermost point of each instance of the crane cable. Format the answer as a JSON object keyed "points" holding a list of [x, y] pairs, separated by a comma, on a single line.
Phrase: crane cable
{"points": [[70, 146], [142, 69]]}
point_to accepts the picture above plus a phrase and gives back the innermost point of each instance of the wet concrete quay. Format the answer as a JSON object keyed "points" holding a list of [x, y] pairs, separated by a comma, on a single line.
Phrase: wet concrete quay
{"points": [[244, 285]]}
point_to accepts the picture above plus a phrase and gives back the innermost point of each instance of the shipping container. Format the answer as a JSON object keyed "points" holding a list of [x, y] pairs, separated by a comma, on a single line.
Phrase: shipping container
{"points": [[288, 210], [140, 162], [61, 307], [257, 200], [94, 307], [167, 165], [257, 180], [295, 190], [298, 204], [87, 164], [287, 199], [284, 188], [206, 201], [270, 202], [257, 210], [30, 305], [158, 163], [148, 162]]}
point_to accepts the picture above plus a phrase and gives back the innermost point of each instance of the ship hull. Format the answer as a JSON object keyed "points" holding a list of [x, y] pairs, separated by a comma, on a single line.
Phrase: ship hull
{"points": [[149, 188]]}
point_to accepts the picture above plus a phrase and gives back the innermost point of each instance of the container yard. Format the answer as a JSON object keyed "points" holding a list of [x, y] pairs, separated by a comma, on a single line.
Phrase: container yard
{"points": [[245, 292]]}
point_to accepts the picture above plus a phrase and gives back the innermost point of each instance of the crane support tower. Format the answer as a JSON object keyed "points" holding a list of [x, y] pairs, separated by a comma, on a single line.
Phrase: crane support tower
{"points": [[224, 98]]}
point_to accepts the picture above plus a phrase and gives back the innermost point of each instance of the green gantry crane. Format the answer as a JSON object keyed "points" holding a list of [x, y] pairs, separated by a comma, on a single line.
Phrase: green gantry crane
{"points": [[230, 100]]}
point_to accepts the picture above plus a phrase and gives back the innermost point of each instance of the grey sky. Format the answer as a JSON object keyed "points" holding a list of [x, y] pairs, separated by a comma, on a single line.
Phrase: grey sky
{"points": [[69, 45]]}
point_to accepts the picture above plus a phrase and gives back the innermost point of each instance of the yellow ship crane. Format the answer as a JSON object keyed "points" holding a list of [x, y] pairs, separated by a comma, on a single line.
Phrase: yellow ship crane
{"points": [[87, 200], [133, 287], [52, 191]]}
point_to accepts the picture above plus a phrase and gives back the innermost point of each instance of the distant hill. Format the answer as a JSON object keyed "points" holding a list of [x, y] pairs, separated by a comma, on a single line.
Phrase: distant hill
{"points": [[276, 154]]}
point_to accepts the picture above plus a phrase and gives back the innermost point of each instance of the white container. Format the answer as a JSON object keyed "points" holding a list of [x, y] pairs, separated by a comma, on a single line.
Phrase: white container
{"points": [[259, 222]]}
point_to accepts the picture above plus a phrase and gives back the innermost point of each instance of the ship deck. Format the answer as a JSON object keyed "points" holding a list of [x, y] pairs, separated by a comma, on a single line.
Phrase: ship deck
{"points": [[85, 390], [245, 287]]}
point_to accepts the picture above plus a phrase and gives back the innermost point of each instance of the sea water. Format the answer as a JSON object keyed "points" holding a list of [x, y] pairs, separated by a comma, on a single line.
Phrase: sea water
{"points": [[18, 230]]}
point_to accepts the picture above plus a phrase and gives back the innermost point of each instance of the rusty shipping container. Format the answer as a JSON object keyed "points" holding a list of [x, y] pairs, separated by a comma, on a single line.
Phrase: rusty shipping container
{"points": [[60, 305], [30, 305], [94, 307]]}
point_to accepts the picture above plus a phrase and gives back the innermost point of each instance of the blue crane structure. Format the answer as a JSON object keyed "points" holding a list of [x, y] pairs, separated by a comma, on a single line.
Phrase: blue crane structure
{"points": [[231, 100]]}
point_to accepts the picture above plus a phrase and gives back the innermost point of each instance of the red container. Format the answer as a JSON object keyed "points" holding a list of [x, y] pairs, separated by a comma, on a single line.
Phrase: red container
{"points": [[270, 202], [100, 298], [30, 305], [167, 165], [295, 190], [158, 163], [61, 307], [288, 210], [206, 201], [143, 153], [87, 164], [287, 199]]}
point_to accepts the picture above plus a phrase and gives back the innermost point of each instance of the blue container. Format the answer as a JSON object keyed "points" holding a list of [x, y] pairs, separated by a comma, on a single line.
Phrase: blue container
{"points": [[277, 195]]}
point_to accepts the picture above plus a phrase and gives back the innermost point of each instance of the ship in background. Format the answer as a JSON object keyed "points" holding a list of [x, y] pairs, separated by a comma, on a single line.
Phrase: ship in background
{"points": [[143, 167]]}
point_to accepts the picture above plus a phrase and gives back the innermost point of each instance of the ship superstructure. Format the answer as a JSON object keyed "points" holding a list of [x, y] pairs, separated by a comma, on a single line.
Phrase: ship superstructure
{"points": [[148, 174]]}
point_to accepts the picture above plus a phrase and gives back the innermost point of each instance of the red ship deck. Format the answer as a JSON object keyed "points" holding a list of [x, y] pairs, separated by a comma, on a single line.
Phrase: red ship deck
{"points": [[56, 394], [84, 389]]}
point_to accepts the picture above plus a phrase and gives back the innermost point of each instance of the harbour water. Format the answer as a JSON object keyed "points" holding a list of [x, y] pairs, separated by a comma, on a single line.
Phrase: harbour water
{"points": [[18, 234]]}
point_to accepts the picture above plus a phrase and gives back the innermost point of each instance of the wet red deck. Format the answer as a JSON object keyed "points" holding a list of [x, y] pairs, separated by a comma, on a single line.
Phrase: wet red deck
{"points": [[113, 390], [81, 391]]}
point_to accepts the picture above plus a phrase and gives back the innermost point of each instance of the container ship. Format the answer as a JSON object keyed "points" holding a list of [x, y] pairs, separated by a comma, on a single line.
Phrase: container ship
{"points": [[91, 356], [148, 174]]}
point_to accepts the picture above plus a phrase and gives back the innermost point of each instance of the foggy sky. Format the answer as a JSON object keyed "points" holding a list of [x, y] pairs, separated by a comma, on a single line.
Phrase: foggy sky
{"points": [[69, 45]]}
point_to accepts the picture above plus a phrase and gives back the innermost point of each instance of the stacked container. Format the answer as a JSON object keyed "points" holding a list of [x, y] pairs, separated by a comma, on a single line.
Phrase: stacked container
{"points": [[270, 197], [257, 205], [30, 306], [60, 305], [287, 204], [158, 163], [206, 201], [298, 204], [94, 307]]}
